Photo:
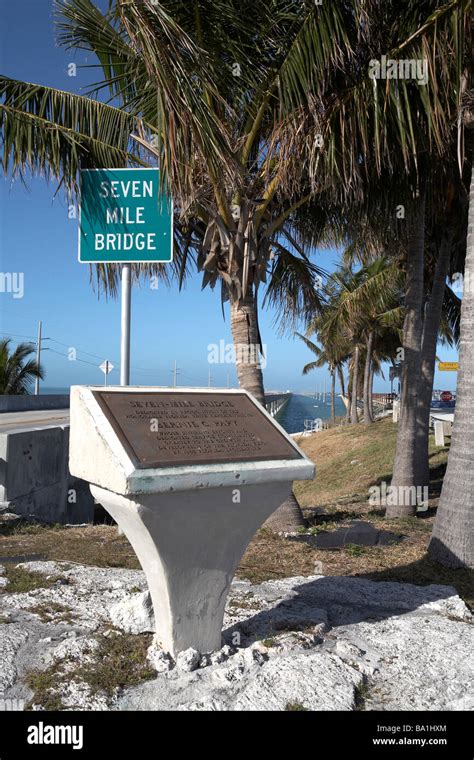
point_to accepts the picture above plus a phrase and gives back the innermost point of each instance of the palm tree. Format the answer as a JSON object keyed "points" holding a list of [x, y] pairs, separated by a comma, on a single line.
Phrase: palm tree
{"points": [[445, 249], [224, 124], [328, 355], [196, 99], [229, 98], [210, 120], [17, 371], [452, 541], [360, 306]]}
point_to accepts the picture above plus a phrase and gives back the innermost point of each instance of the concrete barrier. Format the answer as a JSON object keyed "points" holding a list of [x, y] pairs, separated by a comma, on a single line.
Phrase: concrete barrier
{"points": [[34, 477], [33, 403]]}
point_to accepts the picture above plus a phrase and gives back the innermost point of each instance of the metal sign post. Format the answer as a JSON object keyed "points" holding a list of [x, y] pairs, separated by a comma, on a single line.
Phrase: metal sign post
{"points": [[106, 367], [125, 324]]}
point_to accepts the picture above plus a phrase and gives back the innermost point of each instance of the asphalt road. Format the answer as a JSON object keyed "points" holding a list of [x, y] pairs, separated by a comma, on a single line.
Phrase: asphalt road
{"points": [[10, 421]]}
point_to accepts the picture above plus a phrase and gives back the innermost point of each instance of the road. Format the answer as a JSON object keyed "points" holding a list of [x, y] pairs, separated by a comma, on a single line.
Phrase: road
{"points": [[14, 421]]}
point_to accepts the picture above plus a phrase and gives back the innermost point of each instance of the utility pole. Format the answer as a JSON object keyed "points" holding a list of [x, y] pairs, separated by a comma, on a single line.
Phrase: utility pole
{"points": [[228, 379], [209, 380], [38, 358], [175, 374], [125, 324]]}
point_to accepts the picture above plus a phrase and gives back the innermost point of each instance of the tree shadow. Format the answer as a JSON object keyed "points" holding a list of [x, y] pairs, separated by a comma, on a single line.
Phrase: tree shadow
{"points": [[355, 533], [335, 601], [320, 518]]}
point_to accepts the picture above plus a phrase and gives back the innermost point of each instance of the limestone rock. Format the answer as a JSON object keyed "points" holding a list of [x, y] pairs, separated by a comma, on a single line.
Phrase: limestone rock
{"points": [[188, 660], [304, 641], [135, 615], [316, 681], [161, 661]]}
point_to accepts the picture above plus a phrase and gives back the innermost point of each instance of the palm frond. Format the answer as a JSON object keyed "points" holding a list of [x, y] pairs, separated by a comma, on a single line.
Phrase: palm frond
{"points": [[55, 133]]}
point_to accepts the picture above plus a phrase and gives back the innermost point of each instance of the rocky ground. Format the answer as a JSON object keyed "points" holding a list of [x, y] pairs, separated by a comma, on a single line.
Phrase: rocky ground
{"points": [[79, 637]]}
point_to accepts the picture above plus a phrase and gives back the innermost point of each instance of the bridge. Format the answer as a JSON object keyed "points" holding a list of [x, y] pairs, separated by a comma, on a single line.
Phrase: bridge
{"points": [[275, 402]]}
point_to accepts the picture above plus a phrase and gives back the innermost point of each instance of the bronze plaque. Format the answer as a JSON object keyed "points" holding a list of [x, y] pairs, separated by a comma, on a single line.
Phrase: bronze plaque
{"points": [[166, 429]]}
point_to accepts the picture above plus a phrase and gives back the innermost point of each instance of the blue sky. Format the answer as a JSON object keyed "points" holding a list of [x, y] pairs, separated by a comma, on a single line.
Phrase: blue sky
{"points": [[38, 239]]}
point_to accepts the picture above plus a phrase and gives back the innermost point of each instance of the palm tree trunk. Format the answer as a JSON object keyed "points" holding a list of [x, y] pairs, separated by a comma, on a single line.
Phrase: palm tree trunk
{"points": [[333, 396], [245, 332], [287, 519], [428, 359], [355, 386], [244, 323], [403, 500], [452, 542], [368, 363], [349, 396], [371, 393], [340, 373]]}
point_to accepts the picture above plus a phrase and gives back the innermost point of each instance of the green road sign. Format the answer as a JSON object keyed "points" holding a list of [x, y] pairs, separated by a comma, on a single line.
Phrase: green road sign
{"points": [[124, 217]]}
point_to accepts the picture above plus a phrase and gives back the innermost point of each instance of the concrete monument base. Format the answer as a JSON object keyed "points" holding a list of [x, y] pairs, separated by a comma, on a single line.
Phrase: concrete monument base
{"points": [[189, 544], [189, 475]]}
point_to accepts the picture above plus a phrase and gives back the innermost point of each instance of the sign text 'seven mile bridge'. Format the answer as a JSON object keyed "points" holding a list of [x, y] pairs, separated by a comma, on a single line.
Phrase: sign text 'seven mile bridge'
{"points": [[124, 217]]}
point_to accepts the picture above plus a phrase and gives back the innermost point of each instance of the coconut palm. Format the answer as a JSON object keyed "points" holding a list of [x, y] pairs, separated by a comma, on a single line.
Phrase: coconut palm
{"points": [[196, 99], [331, 356], [440, 116], [452, 541], [17, 370], [219, 93], [361, 305], [444, 252], [229, 97]]}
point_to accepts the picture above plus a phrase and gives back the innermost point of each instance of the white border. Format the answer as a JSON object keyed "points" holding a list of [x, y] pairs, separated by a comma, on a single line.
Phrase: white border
{"points": [[123, 261]]}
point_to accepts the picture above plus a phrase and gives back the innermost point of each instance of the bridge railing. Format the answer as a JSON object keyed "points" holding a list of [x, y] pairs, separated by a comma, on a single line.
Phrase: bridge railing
{"points": [[275, 402]]}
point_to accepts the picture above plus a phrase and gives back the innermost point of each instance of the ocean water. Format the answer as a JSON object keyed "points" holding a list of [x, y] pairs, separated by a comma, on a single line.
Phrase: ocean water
{"points": [[300, 408]]}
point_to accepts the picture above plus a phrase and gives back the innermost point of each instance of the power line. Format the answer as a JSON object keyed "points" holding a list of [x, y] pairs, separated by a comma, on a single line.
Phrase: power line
{"points": [[101, 357], [15, 335], [65, 356], [137, 370]]}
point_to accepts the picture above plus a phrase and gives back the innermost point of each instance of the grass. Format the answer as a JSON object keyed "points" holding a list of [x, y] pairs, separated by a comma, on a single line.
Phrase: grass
{"points": [[20, 581], [295, 707], [97, 545], [53, 611], [44, 685], [361, 695], [246, 601], [270, 642], [119, 661], [372, 451]]}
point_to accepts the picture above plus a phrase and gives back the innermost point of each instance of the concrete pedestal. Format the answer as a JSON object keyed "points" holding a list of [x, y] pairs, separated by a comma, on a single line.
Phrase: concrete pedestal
{"points": [[189, 519], [189, 544]]}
